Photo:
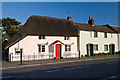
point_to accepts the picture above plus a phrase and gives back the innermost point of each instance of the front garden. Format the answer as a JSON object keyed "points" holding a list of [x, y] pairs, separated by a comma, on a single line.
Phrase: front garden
{"points": [[101, 54]]}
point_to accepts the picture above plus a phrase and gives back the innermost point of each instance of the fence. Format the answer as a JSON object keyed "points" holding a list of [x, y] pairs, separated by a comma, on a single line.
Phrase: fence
{"points": [[40, 56]]}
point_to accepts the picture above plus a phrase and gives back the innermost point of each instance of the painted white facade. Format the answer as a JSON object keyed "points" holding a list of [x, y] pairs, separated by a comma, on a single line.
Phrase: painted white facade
{"points": [[119, 41], [29, 44], [88, 37]]}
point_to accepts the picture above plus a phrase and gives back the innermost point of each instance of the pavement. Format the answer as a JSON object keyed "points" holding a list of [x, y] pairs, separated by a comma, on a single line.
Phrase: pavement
{"points": [[12, 65], [101, 67]]}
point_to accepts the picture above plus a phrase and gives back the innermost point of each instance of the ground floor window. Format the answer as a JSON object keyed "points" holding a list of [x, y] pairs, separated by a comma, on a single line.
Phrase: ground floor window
{"points": [[67, 47], [105, 47], [95, 47], [41, 48]]}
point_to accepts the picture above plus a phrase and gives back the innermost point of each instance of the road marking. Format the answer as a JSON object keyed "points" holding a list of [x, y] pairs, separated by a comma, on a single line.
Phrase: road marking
{"points": [[69, 68], [111, 77], [7, 77], [54, 63], [66, 69], [54, 70], [112, 63]]}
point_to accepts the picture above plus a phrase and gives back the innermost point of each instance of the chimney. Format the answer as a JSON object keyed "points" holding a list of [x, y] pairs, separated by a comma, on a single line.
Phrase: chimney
{"points": [[69, 18], [91, 21]]}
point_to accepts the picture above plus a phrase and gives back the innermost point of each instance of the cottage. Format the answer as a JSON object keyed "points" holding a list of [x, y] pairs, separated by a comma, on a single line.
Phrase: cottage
{"points": [[97, 38], [43, 38], [53, 38]]}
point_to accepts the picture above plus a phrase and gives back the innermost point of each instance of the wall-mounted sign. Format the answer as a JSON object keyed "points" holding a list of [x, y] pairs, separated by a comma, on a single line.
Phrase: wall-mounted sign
{"points": [[17, 50]]}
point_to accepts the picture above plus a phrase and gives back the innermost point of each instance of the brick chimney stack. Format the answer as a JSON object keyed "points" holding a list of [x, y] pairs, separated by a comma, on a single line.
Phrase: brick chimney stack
{"points": [[69, 18], [91, 21]]}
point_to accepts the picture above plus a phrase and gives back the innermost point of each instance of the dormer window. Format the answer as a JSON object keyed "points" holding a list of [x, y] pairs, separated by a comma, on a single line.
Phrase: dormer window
{"points": [[42, 37], [66, 38], [105, 35]]}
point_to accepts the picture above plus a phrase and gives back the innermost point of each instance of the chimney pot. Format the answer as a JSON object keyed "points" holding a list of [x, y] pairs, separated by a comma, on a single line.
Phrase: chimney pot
{"points": [[91, 21], [92, 18], [69, 18], [89, 18]]}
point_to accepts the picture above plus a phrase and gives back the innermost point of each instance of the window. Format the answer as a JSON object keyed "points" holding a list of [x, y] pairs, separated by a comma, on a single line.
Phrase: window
{"points": [[41, 37], [90, 33], [105, 35], [67, 47], [41, 48], [66, 38], [105, 47], [111, 35], [95, 34], [95, 47]]}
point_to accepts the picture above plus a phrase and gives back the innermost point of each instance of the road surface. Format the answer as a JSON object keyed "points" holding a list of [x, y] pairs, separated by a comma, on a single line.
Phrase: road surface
{"points": [[99, 69]]}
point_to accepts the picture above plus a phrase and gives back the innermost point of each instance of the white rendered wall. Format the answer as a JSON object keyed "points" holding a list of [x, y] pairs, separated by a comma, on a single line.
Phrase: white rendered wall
{"points": [[29, 44], [85, 38], [119, 40]]}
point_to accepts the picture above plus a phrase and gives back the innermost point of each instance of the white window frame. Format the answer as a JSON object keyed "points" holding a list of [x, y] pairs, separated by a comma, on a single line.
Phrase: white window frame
{"points": [[67, 47], [111, 35], [105, 35], [95, 34], [105, 47], [96, 47], [41, 48], [66, 38], [90, 33], [42, 37]]}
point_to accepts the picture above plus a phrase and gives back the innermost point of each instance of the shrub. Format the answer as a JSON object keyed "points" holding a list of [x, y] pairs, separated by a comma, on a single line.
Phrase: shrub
{"points": [[87, 55], [81, 55], [117, 52]]}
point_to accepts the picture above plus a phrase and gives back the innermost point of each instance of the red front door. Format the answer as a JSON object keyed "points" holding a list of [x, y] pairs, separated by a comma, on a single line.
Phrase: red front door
{"points": [[58, 51]]}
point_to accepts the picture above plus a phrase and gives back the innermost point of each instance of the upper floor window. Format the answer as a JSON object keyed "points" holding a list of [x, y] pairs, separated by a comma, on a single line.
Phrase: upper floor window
{"points": [[42, 37], [66, 38], [41, 48], [67, 47], [95, 47], [90, 33], [105, 35], [95, 34], [105, 47], [111, 35]]}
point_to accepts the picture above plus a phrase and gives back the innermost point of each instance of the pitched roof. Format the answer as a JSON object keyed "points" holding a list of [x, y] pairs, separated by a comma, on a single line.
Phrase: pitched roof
{"points": [[42, 25], [114, 27], [99, 28], [49, 26]]}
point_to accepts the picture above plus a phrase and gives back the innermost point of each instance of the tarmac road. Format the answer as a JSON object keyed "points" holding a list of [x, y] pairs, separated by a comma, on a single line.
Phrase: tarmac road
{"points": [[99, 69]]}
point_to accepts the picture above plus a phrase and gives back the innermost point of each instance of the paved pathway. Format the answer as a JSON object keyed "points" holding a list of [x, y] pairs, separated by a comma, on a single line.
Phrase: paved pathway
{"points": [[9, 65]]}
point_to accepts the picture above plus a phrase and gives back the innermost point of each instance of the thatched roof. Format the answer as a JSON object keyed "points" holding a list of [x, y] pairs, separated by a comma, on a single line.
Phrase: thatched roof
{"points": [[49, 26], [42, 25], [98, 28]]}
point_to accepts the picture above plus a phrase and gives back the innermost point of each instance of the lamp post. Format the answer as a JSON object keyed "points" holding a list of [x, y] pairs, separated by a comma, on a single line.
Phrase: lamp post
{"points": [[20, 56]]}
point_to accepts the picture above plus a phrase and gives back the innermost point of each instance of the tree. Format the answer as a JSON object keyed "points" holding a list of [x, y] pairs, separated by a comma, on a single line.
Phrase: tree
{"points": [[10, 26]]}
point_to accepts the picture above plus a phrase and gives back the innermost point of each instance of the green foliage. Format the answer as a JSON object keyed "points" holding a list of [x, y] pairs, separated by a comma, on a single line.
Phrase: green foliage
{"points": [[5, 36], [117, 52], [10, 26], [87, 55], [101, 54]]}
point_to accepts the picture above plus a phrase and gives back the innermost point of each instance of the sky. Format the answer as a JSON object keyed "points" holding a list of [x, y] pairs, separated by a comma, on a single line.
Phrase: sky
{"points": [[102, 12]]}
